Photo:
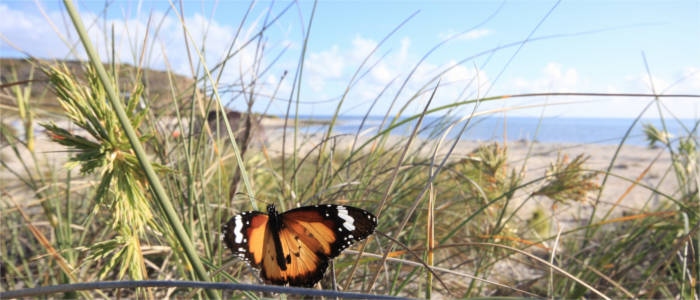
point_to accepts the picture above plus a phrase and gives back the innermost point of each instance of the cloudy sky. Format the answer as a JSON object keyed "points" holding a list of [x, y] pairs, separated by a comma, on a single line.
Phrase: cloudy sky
{"points": [[395, 51]]}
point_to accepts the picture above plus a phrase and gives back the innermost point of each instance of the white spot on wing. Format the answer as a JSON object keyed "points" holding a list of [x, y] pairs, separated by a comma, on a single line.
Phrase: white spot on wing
{"points": [[237, 234], [349, 221]]}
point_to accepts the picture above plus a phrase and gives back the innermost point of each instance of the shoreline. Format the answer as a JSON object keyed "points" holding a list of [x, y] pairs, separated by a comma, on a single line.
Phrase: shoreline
{"points": [[631, 162]]}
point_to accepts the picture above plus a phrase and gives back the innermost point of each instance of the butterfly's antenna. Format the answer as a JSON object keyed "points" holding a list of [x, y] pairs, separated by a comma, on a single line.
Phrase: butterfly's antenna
{"points": [[254, 199]]}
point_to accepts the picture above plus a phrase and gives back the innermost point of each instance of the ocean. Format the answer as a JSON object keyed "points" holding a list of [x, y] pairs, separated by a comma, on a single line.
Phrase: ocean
{"points": [[551, 129]]}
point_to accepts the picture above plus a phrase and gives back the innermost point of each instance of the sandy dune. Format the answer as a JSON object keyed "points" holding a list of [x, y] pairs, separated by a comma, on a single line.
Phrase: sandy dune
{"points": [[630, 163]]}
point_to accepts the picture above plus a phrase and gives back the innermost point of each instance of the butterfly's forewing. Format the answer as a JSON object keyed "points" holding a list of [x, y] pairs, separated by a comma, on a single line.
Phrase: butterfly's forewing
{"points": [[314, 234], [245, 234], [335, 227]]}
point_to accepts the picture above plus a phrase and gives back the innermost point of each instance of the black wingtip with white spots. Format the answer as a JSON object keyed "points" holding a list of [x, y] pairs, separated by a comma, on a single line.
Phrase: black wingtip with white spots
{"points": [[352, 224]]}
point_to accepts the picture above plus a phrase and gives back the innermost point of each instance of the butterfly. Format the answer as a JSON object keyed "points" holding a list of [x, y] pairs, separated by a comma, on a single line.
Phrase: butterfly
{"points": [[294, 247]]}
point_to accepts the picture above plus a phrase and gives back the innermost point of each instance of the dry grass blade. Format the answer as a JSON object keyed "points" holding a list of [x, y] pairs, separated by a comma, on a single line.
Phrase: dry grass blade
{"points": [[549, 265], [67, 269], [666, 261], [443, 270], [420, 196], [632, 186], [392, 181], [514, 239], [430, 242], [640, 216], [236, 149], [409, 251]]}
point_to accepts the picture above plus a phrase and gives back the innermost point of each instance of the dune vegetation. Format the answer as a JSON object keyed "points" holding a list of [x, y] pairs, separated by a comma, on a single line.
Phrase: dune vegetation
{"points": [[103, 180]]}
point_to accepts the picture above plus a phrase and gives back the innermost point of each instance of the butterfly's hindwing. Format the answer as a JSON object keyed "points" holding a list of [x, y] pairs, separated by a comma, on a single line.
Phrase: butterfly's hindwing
{"points": [[305, 265], [245, 235]]}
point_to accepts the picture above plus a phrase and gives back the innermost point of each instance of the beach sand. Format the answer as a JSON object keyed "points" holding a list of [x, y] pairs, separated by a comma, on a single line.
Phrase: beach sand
{"points": [[630, 163], [620, 196]]}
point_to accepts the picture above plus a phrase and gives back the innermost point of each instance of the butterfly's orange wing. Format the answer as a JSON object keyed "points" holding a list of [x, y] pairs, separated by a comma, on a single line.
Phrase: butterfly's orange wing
{"points": [[245, 235], [314, 234], [304, 266], [309, 237]]}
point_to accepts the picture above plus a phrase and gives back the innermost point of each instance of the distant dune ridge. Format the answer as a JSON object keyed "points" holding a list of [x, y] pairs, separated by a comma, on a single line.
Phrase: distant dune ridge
{"points": [[157, 83]]}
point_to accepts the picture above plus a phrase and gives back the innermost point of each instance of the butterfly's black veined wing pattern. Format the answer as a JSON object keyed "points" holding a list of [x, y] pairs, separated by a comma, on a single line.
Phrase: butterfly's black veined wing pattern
{"points": [[312, 235], [308, 236], [336, 227], [245, 235]]}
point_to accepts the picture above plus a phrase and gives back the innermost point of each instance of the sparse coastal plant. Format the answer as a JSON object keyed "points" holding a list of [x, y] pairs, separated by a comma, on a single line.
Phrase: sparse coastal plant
{"points": [[107, 152], [654, 135], [568, 180]]}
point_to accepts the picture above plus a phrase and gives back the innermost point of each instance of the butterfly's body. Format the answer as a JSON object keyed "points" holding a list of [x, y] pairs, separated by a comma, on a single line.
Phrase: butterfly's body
{"points": [[294, 247], [275, 225]]}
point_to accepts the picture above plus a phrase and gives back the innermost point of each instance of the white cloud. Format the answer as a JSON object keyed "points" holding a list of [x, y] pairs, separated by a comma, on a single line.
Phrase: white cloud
{"points": [[328, 71], [30, 31], [554, 77], [642, 83], [324, 66], [382, 73], [328, 64], [476, 33], [322, 77], [685, 80], [362, 47], [466, 36]]}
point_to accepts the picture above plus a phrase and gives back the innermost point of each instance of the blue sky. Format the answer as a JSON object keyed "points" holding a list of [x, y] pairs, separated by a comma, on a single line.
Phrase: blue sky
{"points": [[593, 46]]}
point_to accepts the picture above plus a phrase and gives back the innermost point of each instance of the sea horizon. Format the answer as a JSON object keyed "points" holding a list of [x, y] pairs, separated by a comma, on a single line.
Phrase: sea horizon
{"points": [[583, 130]]}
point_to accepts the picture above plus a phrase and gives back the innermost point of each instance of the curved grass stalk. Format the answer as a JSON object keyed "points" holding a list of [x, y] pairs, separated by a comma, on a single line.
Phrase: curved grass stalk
{"points": [[392, 181], [555, 268], [439, 269], [47, 290]]}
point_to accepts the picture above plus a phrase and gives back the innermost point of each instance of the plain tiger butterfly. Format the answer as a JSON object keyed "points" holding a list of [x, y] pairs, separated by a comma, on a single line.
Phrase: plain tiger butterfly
{"points": [[294, 247]]}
